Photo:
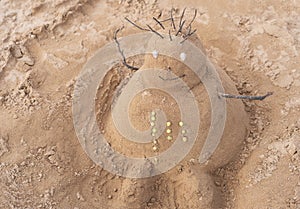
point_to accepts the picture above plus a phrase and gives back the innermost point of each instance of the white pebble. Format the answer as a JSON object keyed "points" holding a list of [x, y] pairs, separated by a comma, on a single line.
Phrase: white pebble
{"points": [[182, 56], [154, 130], [155, 54]]}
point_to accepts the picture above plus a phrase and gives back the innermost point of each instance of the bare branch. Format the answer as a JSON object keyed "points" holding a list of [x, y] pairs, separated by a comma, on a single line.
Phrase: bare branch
{"points": [[189, 29], [188, 35], [161, 25], [157, 33], [246, 97], [180, 28], [139, 27], [170, 36], [168, 19], [160, 14], [121, 51], [195, 15], [181, 18], [173, 23]]}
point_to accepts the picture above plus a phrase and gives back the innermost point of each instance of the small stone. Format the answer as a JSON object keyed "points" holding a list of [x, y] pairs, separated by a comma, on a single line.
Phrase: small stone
{"points": [[79, 196], [169, 131], [152, 123], [192, 160], [109, 196], [16, 52], [184, 139], [155, 148], [169, 124], [153, 118], [182, 56], [217, 183], [183, 131], [155, 54], [169, 138], [154, 130], [180, 123]]}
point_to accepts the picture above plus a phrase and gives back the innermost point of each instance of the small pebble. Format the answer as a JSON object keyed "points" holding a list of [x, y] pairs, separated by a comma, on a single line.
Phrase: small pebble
{"points": [[155, 148], [153, 118], [183, 131], [182, 56], [169, 123], [155, 54], [184, 139], [154, 130], [169, 131], [180, 123], [169, 138], [152, 123]]}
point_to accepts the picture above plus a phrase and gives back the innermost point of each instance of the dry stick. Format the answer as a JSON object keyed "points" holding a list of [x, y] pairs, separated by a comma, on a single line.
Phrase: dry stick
{"points": [[195, 15], [180, 28], [188, 35], [195, 85], [168, 19], [246, 97], [189, 29], [157, 33], [181, 23], [170, 36], [182, 15], [172, 79], [121, 51], [161, 25], [139, 27], [160, 14], [173, 23]]}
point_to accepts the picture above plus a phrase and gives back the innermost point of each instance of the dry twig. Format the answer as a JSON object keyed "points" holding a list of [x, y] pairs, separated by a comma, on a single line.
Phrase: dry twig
{"points": [[154, 31], [172, 19], [181, 18], [188, 35], [170, 36], [134, 24], [246, 97], [180, 28], [121, 51], [195, 15], [161, 25]]}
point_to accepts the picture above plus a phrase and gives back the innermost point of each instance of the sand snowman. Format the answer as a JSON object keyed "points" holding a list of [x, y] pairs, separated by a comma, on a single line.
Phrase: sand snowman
{"points": [[169, 121]]}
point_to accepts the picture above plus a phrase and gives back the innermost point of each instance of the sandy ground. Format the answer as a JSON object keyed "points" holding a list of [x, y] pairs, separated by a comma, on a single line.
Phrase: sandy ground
{"points": [[44, 47]]}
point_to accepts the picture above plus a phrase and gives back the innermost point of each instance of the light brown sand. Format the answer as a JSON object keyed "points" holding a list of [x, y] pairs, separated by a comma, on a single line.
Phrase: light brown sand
{"points": [[44, 47]]}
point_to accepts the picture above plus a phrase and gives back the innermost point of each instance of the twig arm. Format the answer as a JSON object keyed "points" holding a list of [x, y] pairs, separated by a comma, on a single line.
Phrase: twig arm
{"points": [[246, 97], [121, 51]]}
